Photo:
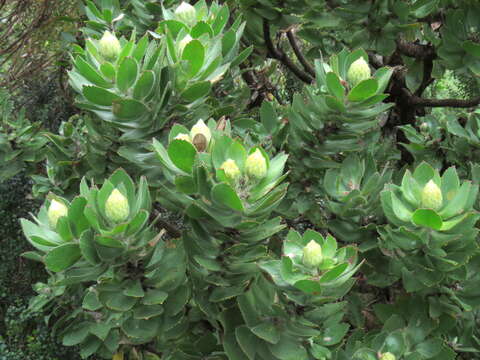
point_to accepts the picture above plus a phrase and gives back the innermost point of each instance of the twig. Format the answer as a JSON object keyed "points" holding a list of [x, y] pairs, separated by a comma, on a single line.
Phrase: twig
{"points": [[277, 53], [298, 53]]}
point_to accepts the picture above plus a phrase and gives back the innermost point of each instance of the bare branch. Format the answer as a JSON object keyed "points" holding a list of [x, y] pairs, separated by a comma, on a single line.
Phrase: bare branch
{"points": [[298, 53], [277, 53]]}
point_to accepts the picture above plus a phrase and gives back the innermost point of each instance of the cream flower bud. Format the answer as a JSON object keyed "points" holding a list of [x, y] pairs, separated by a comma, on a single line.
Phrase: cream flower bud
{"points": [[55, 211], [186, 13], [231, 169], [109, 46], [388, 356], [184, 137], [358, 71], [431, 196], [312, 254], [184, 42], [256, 165], [116, 207], [200, 135]]}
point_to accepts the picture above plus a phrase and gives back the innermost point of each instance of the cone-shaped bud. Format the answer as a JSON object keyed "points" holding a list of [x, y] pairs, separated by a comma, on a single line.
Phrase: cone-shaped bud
{"points": [[109, 46], [55, 211], [116, 207], [231, 169], [186, 13], [184, 42], [358, 71], [312, 254], [432, 196], [200, 135], [256, 165], [183, 136], [388, 356]]}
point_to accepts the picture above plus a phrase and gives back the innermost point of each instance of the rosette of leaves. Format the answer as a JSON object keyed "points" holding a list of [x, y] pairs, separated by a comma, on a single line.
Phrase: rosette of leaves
{"points": [[107, 262], [22, 144], [302, 317], [200, 47], [353, 198], [128, 89], [329, 277], [406, 330], [431, 235]]}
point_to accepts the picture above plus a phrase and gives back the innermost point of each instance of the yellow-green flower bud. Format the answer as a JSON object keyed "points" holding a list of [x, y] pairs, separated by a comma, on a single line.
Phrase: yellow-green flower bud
{"points": [[231, 169], [186, 13], [184, 137], [184, 42], [109, 46], [200, 135], [388, 356], [358, 71], [116, 207], [256, 165], [55, 211], [312, 254], [431, 196]]}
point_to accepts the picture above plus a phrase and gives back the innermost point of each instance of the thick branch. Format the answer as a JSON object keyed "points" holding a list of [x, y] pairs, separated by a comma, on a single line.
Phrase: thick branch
{"points": [[417, 51], [276, 53], [454, 103], [298, 53]]}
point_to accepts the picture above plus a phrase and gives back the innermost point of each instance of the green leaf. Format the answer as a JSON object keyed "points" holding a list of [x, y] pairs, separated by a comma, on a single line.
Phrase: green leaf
{"points": [[89, 73], [99, 96], [224, 194], [196, 91], [119, 302], [472, 48], [194, 53], [269, 117], [154, 297], [134, 289], [87, 248], [62, 257], [334, 85], [182, 154], [76, 334], [127, 74], [427, 218], [129, 109], [91, 302], [144, 86], [267, 331], [430, 348], [363, 90]]}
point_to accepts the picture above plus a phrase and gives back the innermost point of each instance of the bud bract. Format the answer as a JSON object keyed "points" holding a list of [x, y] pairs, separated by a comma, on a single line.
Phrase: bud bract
{"points": [[184, 42], [116, 206], [55, 211], [184, 137], [201, 135], [256, 165], [431, 196], [312, 254], [358, 71], [109, 46], [231, 169], [186, 13], [388, 356]]}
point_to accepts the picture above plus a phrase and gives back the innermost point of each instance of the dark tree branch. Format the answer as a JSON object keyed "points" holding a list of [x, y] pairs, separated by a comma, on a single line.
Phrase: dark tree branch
{"points": [[454, 103], [427, 75], [298, 53], [277, 53], [417, 51]]}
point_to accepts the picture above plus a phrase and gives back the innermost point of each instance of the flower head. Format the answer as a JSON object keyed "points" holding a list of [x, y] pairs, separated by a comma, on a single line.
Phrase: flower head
{"points": [[116, 207], [388, 356], [431, 196], [200, 135], [312, 254], [109, 46], [231, 169], [358, 71], [55, 211], [186, 13], [256, 165]]}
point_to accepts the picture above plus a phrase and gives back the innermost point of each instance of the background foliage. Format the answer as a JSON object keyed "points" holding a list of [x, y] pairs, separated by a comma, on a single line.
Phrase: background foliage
{"points": [[212, 263]]}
